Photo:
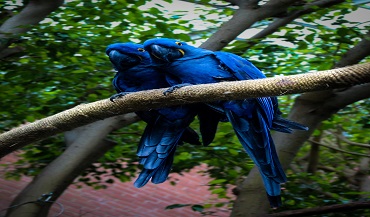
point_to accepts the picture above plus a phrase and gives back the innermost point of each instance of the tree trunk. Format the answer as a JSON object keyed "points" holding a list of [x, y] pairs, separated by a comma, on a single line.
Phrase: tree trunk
{"points": [[59, 174], [363, 177], [313, 159]]}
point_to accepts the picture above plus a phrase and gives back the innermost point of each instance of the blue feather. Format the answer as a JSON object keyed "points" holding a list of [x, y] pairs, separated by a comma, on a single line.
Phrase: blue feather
{"points": [[252, 119], [161, 136]]}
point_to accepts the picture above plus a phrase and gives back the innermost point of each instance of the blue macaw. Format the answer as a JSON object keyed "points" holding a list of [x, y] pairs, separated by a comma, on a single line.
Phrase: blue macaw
{"points": [[166, 127], [251, 119]]}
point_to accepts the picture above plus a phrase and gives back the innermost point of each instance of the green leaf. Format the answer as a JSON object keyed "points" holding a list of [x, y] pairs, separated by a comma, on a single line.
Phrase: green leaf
{"points": [[218, 190], [197, 208], [174, 206], [217, 181]]}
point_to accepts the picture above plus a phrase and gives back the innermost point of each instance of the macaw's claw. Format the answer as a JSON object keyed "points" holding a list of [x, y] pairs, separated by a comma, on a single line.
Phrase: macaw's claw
{"points": [[118, 95], [174, 87]]}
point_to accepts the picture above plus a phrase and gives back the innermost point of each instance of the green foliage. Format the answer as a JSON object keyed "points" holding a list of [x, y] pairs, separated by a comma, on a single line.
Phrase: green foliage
{"points": [[64, 64], [306, 190]]}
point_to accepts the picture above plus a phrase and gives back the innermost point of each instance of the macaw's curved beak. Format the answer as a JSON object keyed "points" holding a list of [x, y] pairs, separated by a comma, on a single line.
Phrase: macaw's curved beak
{"points": [[123, 60], [165, 54]]}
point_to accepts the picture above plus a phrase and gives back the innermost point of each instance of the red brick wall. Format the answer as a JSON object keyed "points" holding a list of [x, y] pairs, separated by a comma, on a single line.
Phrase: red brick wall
{"points": [[123, 199]]}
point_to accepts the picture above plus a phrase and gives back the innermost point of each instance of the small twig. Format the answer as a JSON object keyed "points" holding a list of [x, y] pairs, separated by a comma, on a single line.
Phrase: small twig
{"points": [[344, 139], [328, 169], [322, 210], [339, 150]]}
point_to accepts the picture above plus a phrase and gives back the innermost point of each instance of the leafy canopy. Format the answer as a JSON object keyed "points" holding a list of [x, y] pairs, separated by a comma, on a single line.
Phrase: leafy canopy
{"points": [[64, 64]]}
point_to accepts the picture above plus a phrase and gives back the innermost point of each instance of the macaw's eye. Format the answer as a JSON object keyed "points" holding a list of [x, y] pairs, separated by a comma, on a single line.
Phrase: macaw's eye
{"points": [[178, 43], [141, 49]]}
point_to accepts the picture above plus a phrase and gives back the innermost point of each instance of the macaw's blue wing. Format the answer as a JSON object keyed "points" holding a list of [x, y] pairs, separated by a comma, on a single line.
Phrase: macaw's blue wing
{"points": [[167, 127], [242, 69], [239, 67], [251, 119], [159, 141], [189, 136], [135, 73], [245, 70]]}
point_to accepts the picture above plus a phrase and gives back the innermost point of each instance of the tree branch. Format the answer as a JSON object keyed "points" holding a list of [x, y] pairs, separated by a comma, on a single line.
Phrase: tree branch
{"points": [[344, 139], [357, 53], [308, 8], [323, 210], [33, 13], [143, 100], [242, 19], [313, 160], [338, 149], [10, 51]]}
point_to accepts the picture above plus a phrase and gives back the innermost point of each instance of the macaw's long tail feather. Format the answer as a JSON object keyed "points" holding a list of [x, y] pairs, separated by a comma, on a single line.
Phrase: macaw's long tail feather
{"points": [[275, 201], [163, 171], [144, 178], [273, 191], [142, 160], [254, 134], [158, 175], [160, 138], [255, 137], [284, 125], [208, 122], [159, 157], [190, 136], [158, 144], [208, 128]]}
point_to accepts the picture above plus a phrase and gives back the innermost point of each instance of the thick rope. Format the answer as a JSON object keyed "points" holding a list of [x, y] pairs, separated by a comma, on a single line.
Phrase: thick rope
{"points": [[88, 113]]}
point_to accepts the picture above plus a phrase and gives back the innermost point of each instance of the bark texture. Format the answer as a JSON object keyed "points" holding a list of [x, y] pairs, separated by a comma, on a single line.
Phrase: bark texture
{"points": [[143, 100]]}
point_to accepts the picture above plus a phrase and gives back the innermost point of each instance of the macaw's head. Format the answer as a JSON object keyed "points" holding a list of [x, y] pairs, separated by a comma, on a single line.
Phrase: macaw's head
{"points": [[165, 50], [127, 55]]}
